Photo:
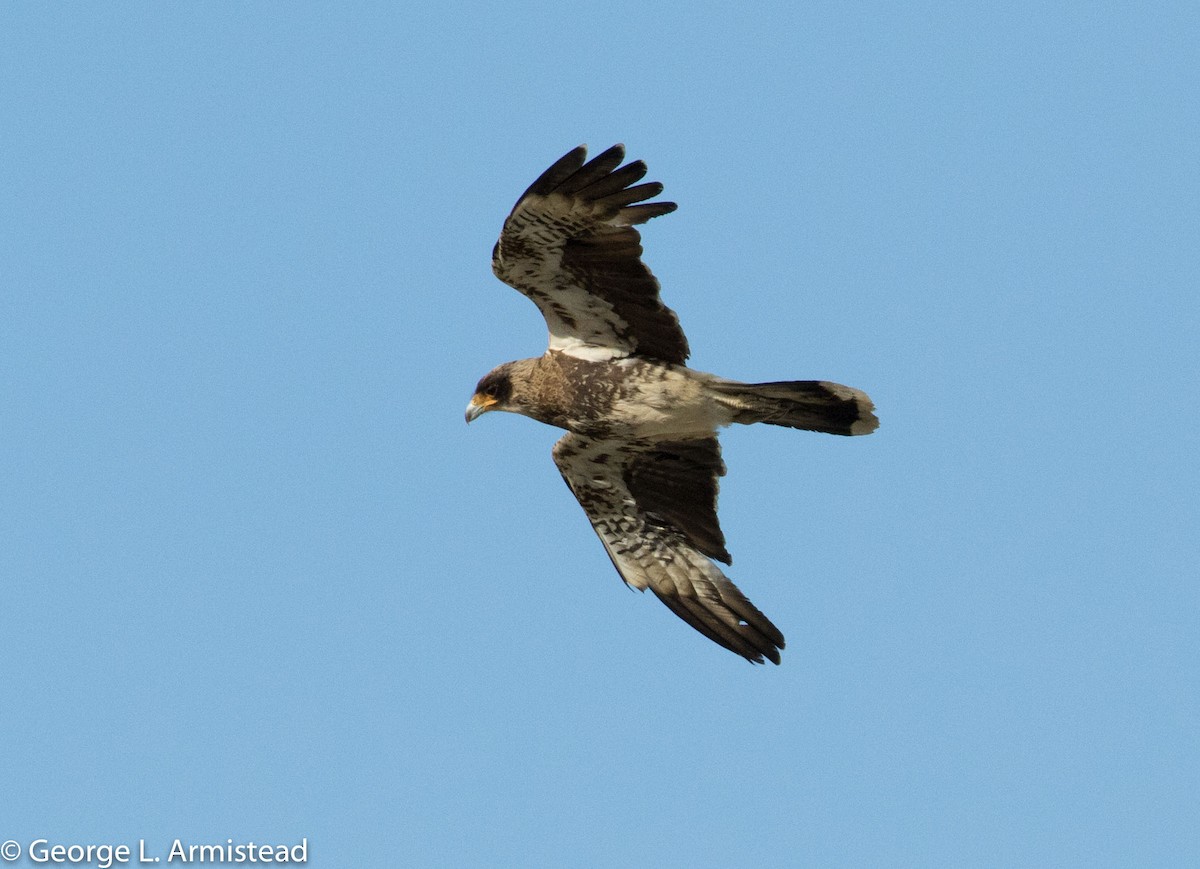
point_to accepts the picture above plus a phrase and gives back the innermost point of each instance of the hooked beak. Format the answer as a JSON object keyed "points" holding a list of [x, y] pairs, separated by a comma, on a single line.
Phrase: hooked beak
{"points": [[479, 405]]}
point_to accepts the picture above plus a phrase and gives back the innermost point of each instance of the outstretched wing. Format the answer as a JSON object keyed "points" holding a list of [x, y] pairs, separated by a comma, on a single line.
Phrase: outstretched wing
{"points": [[570, 246], [654, 507]]}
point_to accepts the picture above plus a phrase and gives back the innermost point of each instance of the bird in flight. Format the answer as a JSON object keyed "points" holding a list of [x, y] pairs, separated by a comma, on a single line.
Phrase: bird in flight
{"points": [[640, 453]]}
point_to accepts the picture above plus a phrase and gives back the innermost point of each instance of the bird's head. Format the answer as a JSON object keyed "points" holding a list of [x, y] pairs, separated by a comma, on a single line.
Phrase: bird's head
{"points": [[492, 393]]}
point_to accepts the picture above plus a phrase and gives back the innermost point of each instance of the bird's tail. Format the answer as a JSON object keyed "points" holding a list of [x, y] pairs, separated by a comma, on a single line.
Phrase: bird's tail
{"points": [[813, 405]]}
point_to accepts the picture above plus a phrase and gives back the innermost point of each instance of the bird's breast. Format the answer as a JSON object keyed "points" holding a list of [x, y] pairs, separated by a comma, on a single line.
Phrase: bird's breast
{"points": [[637, 398]]}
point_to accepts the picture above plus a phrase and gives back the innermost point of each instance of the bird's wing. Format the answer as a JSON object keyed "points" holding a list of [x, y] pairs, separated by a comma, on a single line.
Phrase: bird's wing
{"points": [[570, 246], [654, 507]]}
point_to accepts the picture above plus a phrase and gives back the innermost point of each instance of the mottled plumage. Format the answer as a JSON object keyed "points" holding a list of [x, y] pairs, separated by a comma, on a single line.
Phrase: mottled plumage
{"points": [[641, 454]]}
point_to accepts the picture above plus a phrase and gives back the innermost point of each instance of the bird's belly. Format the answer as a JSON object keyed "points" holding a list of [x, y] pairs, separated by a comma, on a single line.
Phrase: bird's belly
{"points": [[673, 407]]}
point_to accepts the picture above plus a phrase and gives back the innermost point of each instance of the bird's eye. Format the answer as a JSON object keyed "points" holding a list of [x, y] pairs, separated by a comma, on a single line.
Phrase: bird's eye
{"points": [[491, 391]]}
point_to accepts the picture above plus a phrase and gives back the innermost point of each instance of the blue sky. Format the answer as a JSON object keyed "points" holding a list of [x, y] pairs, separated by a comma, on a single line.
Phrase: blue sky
{"points": [[262, 583]]}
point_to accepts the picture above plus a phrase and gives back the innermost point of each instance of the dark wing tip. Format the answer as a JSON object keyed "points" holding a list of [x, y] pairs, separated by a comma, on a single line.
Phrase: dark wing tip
{"points": [[630, 195], [634, 214], [615, 154], [754, 638], [601, 181], [562, 169]]}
